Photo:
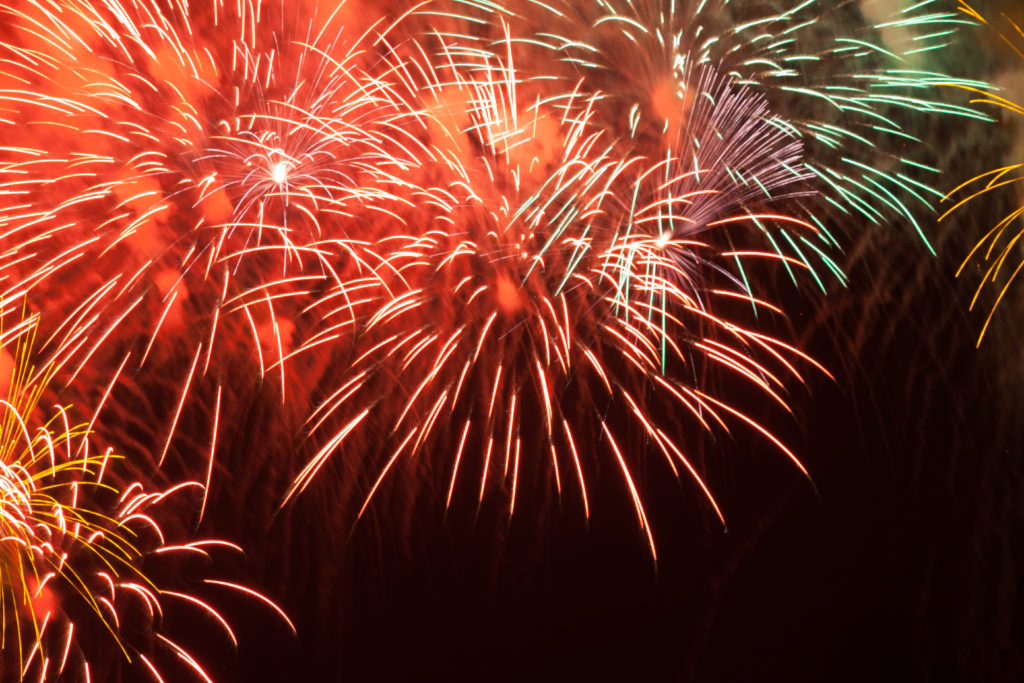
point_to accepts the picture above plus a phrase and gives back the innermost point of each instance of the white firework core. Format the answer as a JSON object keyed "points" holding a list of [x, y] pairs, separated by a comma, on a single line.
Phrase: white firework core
{"points": [[279, 172]]}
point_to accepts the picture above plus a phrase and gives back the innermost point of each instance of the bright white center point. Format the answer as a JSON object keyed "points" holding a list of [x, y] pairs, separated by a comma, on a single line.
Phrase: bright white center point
{"points": [[279, 172]]}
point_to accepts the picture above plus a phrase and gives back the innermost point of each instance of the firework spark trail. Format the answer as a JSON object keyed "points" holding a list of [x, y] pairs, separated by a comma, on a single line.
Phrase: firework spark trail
{"points": [[999, 244], [77, 551]]}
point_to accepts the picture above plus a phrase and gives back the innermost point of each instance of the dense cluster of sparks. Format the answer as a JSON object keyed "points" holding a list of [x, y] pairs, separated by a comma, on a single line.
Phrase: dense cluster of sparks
{"points": [[515, 240]]}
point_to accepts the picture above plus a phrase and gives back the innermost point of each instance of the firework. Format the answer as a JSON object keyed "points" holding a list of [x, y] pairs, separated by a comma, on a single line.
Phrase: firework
{"points": [[997, 247], [80, 552]]}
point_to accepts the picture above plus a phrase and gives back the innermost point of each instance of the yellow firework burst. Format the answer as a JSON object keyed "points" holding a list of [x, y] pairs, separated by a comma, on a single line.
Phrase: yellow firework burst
{"points": [[77, 545], [998, 249]]}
